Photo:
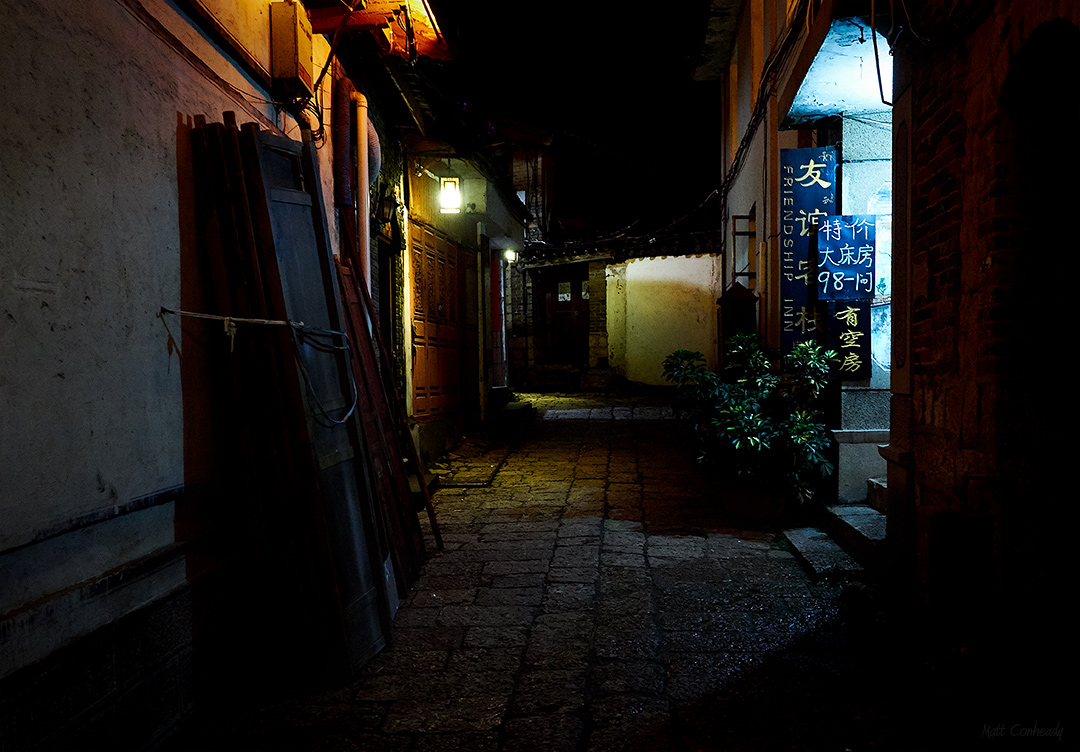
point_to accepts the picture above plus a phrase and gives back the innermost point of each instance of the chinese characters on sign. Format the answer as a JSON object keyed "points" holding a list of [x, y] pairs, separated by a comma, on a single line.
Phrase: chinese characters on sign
{"points": [[849, 335], [845, 278], [807, 196], [845, 265]]}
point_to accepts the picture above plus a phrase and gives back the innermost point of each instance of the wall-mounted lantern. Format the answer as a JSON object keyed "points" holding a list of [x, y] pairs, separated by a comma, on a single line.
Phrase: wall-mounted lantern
{"points": [[450, 195], [510, 255], [386, 207]]}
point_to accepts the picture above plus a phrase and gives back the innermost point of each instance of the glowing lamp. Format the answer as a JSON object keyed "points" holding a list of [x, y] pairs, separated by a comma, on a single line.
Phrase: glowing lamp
{"points": [[450, 196], [510, 255], [386, 208]]}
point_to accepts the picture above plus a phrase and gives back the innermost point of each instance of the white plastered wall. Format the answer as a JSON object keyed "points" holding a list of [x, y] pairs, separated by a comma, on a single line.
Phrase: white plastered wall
{"points": [[657, 306], [91, 426]]}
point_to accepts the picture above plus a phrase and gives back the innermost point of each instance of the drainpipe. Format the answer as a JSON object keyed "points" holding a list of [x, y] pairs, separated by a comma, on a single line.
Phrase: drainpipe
{"points": [[350, 106], [363, 195]]}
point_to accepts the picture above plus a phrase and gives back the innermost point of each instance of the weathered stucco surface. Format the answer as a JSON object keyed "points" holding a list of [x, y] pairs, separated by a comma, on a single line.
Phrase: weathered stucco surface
{"points": [[667, 304], [93, 253], [91, 429]]}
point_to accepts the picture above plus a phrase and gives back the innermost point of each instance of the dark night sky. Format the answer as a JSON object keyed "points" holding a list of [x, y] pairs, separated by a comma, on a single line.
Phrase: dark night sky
{"points": [[615, 75]]}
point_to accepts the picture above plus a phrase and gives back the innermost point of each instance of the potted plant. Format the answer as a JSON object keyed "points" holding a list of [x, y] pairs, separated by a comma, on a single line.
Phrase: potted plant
{"points": [[758, 422]]}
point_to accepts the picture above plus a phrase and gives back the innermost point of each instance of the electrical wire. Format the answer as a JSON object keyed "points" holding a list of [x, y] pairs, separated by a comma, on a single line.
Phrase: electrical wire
{"points": [[253, 97], [772, 70], [885, 126], [300, 334], [312, 103], [911, 26], [877, 60], [334, 41]]}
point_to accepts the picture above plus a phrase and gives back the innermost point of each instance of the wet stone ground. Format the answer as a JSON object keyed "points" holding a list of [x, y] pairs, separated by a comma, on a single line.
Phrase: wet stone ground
{"points": [[592, 599]]}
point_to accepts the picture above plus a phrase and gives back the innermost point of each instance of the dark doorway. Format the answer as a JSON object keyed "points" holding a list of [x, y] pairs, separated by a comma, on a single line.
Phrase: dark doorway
{"points": [[562, 313]]}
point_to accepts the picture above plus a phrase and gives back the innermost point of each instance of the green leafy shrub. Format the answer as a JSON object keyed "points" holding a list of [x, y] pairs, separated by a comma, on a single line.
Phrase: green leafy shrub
{"points": [[759, 419]]}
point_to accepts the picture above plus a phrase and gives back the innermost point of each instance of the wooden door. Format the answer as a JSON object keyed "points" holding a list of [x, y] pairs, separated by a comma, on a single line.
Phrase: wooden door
{"points": [[333, 487], [438, 278], [565, 314]]}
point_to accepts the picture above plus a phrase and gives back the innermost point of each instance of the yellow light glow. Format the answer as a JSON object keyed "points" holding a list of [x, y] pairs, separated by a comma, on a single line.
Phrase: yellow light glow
{"points": [[450, 196], [510, 255]]}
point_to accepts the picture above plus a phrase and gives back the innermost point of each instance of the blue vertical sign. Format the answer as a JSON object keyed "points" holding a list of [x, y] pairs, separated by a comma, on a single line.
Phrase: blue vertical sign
{"points": [[807, 194], [845, 278], [845, 257]]}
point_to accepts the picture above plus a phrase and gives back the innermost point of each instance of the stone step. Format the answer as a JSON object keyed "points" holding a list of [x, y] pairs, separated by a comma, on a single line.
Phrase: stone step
{"points": [[877, 494], [859, 529], [514, 418], [821, 556], [518, 411]]}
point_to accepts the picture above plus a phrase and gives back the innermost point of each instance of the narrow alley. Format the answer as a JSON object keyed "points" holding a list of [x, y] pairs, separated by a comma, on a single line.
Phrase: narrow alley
{"points": [[268, 262], [589, 597]]}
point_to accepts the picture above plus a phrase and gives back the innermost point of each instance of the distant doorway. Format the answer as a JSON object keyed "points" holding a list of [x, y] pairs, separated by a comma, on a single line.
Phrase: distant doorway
{"points": [[562, 313]]}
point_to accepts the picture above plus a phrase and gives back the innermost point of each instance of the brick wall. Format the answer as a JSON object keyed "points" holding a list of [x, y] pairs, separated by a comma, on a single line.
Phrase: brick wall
{"points": [[528, 366], [599, 374], [529, 173], [518, 325], [985, 439], [122, 687]]}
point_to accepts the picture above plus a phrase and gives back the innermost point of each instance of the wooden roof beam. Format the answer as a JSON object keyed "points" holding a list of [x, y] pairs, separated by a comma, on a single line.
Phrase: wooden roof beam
{"points": [[384, 18], [326, 20]]}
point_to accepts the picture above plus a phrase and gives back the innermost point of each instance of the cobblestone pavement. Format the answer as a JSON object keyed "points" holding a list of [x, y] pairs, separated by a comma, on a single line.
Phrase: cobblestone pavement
{"points": [[592, 599], [478, 459]]}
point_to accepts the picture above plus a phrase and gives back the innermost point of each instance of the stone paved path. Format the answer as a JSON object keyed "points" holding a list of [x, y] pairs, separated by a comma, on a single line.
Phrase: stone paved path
{"points": [[592, 599]]}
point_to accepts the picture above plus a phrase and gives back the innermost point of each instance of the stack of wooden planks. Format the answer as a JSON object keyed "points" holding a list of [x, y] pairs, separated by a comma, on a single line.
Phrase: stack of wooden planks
{"points": [[318, 438]]}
